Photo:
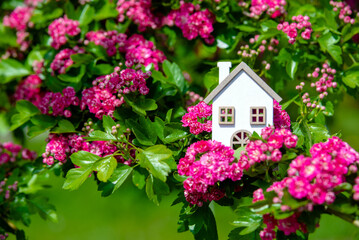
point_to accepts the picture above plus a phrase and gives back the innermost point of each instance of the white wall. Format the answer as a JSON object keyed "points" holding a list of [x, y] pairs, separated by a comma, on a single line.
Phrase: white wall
{"points": [[242, 93]]}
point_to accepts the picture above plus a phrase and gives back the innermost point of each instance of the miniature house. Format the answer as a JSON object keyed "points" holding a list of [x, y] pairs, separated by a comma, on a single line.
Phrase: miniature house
{"points": [[241, 104]]}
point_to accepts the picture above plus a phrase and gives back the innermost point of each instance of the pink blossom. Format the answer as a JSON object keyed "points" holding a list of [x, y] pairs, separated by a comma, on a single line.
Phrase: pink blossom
{"points": [[29, 89], [197, 118], [206, 163], [61, 27]]}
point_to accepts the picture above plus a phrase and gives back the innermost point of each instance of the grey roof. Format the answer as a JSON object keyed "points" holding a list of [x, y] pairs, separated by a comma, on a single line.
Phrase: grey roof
{"points": [[242, 67]]}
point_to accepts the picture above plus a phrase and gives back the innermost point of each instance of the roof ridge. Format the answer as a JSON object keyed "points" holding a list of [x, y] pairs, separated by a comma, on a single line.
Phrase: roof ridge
{"points": [[242, 67]]}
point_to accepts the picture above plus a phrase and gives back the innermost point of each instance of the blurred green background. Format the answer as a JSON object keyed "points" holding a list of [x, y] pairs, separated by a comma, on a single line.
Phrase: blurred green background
{"points": [[128, 214]]}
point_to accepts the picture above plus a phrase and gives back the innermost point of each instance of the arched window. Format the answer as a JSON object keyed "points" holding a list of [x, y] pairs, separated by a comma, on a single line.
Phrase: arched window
{"points": [[240, 139]]}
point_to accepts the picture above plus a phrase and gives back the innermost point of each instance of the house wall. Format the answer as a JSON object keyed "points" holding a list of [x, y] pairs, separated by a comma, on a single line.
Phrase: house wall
{"points": [[241, 93]]}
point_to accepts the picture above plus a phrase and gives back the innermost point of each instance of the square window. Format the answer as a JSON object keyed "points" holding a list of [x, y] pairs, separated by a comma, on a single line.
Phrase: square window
{"points": [[226, 115], [258, 115]]}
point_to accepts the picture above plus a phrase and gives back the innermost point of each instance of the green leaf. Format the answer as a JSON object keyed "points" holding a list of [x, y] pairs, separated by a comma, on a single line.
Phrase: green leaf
{"points": [[173, 132], [138, 179], [64, 126], [292, 67], [319, 132], [351, 76], [269, 24], [25, 110], [336, 53], [237, 152], [42, 123], [246, 28], [11, 69], [108, 123], [102, 69], [20, 235], [235, 234], [141, 104], [83, 158], [81, 58], [144, 131], [107, 11], [105, 168], [287, 103], [349, 31], [203, 224], [98, 135], [155, 189], [247, 219], [174, 75], [73, 76], [75, 177], [116, 180], [327, 44], [87, 15], [211, 79], [154, 159], [45, 210]]}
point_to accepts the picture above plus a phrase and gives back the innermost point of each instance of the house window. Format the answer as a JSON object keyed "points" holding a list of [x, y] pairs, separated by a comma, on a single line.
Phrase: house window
{"points": [[240, 139], [226, 115], [258, 115]]}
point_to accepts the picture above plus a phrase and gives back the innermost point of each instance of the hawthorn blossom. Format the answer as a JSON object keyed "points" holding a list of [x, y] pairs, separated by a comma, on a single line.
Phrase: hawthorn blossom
{"points": [[206, 163], [197, 118], [107, 91], [61, 27]]}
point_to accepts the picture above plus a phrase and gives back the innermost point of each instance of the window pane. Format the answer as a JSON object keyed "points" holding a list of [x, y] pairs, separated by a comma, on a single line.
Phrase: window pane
{"points": [[254, 119], [260, 110], [229, 119], [261, 119], [223, 111], [229, 111], [223, 119], [254, 111], [239, 135]]}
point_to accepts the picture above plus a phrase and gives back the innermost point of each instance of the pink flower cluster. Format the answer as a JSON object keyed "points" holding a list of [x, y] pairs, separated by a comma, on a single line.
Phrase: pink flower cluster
{"points": [[197, 117], [55, 104], [7, 190], [109, 40], [138, 49], [139, 11], [19, 19], [292, 30], [29, 89], [61, 27], [9, 152], [325, 81], [281, 118], [314, 178], [344, 11], [63, 59], [60, 147], [356, 188], [192, 21], [287, 225], [268, 150], [206, 163], [274, 8], [107, 91], [248, 52]]}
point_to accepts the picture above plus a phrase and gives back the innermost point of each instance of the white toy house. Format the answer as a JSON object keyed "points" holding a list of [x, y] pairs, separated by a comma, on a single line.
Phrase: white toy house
{"points": [[241, 103]]}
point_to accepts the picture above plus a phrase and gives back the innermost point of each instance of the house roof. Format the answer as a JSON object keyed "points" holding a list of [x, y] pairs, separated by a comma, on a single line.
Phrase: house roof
{"points": [[242, 67]]}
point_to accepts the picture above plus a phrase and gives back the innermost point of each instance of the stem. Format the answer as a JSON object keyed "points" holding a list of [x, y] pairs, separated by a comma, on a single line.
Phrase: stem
{"points": [[344, 216]]}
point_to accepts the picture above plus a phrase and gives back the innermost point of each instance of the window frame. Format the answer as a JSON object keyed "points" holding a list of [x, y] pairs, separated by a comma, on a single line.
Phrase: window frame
{"points": [[257, 115], [226, 115]]}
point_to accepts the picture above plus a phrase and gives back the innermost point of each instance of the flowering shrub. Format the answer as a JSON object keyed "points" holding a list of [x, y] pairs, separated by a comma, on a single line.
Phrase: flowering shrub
{"points": [[117, 89]]}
